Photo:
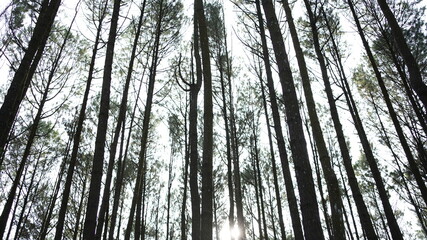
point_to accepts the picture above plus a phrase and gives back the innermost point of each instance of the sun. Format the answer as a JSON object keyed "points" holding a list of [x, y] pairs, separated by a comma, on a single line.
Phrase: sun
{"points": [[227, 233]]}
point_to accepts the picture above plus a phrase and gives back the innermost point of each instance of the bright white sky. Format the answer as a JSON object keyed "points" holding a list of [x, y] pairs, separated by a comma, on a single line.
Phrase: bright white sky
{"points": [[353, 43]]}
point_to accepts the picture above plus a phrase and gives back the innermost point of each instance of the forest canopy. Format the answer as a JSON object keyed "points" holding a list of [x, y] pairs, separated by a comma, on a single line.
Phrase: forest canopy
{"points": [[213, 119]]}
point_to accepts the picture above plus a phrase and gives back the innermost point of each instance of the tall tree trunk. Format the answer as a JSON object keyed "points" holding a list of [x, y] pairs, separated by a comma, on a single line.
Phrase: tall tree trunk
{"points": [[80, 209], [98, 158], [185, 180], [193, 136], [293, 206], [273, 163], [227, 142], [412, 163], [309, 207], [25, 200], [350, 208], [392, 223], [329, 174], [258, 173], [319, 183], [404, 80], [257, 197], [168, 196], [23, 75], [49, 211], [207, 181], [363, 212], [78, 133], [103, 212], [415, 77], [417, 209], [121, 165], [145, 126], [27, 151]]}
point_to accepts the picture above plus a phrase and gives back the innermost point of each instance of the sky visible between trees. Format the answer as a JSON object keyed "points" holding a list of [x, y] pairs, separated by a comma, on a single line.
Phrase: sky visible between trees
{"points": [[206, 119]]}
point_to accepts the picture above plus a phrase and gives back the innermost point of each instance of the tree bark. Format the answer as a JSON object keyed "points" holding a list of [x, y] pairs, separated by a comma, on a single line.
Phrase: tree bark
{"points": [[415, 77], [328, 172], [309, 207], [206, 229], [98, 158], [411, 160], [23, 75], [103, 212], [293, 206], [78, 133]]}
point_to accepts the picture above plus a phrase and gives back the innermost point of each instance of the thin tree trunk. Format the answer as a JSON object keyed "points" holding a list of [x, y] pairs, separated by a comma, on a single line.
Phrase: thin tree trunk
{"points": [[185, 180], [23, 75], [392, 223], [25, 200], [257, 197], [399, 169], [309, 207], [103, 212], [293, 207], [15, 209], [122, 165], [227, 143], [31, 138], [273, 162], [80, 208], [412, 163], [347, 197], [25, 218], [329, 174], [415, 76], [235, 157], [98, 158], [33, 129], [258, 172], [48, 215], [319, 184], [168, 197], [363, 212], [78, 133], [206, 229], [145, 126], [193, 136]]}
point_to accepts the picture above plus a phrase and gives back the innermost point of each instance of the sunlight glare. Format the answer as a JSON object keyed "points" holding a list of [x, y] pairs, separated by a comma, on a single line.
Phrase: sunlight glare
{"points": [[227, 233]]}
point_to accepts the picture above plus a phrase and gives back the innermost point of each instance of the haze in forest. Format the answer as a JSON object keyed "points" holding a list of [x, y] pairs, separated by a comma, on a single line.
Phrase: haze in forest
{"points": [[209, 119]]}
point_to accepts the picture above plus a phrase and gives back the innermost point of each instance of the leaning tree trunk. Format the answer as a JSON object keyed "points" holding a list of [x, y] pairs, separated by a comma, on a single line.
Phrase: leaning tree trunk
{"points": [[121, 165], [98, 158], [273, 163], [293, 205], [415, 76], [309, 207], [329, 174], [259, 180], [145, 128], [185, 180], [23, 75], [363, 212], [411, 160], [78, 133], [376, 174], [121, 118], [31, 138], [227, 141]]}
